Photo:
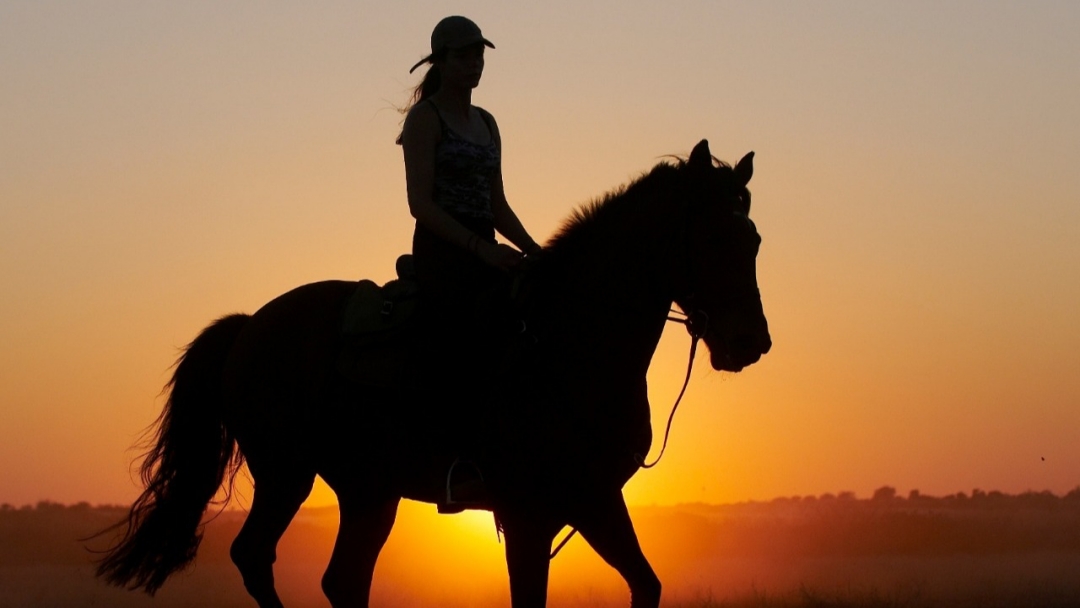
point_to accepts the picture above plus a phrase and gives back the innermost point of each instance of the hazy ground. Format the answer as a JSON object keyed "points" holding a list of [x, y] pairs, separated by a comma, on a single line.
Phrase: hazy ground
{"points": [[980, 550]]}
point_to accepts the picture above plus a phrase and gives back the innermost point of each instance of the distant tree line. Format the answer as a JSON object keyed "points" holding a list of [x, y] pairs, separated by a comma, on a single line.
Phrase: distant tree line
{"points": [[887, 495]]}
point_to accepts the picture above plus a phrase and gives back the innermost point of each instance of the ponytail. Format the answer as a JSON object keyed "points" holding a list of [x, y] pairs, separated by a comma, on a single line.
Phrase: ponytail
{"points": [[427, 87]]}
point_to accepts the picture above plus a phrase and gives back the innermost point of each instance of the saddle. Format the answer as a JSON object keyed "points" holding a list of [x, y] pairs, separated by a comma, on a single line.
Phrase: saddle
{"points": [[378, 330]]}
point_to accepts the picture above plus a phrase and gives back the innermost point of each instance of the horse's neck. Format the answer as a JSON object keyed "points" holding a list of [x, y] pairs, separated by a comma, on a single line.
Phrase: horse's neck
{"points": [[616, 294]]}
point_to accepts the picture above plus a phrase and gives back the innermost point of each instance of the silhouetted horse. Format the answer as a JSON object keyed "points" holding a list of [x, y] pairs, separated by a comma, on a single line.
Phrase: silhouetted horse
{"points": [[571, 428]]}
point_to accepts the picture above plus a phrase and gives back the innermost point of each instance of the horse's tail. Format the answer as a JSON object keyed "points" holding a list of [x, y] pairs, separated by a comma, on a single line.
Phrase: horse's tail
{"points": [[191, 455]]}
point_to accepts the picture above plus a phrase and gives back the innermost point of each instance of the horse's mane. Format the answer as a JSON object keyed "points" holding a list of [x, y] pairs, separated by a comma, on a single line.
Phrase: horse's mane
{"points": [[585, 221]]}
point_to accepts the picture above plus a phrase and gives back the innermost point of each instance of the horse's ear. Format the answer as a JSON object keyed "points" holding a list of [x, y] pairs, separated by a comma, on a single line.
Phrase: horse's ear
{"points": [[744, 170], [701, 156]]}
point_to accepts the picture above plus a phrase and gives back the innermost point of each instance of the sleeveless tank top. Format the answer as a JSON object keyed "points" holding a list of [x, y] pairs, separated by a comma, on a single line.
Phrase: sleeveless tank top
{"points": [[464, 171]]}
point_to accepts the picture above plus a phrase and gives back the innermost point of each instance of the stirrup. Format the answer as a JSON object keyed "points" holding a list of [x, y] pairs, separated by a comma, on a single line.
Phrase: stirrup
{"points": [[456, 505]]}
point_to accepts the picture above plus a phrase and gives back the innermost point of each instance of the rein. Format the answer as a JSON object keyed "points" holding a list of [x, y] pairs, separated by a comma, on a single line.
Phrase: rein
{"points": [[697, 323]]}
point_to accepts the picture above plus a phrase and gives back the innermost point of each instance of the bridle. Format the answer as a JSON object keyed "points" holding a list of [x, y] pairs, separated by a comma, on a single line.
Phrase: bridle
{"points": [[697, 324]]}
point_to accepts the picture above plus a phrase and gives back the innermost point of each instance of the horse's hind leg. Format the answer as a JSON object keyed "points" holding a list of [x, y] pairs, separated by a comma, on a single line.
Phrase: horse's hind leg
{"points": [[277, 497], [363, 531], [606, 526]]}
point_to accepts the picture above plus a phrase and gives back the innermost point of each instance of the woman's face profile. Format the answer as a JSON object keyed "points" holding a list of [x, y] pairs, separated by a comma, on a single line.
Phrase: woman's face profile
{"points": [[463, 67]]}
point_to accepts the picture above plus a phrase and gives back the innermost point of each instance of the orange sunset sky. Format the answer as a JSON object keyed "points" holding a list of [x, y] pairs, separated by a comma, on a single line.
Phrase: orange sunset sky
{"points": [[916, 187]]}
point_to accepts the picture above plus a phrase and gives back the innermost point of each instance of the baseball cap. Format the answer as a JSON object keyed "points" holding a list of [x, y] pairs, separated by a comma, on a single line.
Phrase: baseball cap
{"points": [[453, 33]]}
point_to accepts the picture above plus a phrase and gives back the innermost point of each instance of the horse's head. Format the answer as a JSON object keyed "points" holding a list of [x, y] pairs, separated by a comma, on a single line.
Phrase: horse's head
{"points": [[719, 290]]}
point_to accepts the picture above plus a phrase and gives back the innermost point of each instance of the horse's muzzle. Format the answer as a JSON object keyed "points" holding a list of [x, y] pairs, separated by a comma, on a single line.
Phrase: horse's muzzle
{"points": [[740, 351]]}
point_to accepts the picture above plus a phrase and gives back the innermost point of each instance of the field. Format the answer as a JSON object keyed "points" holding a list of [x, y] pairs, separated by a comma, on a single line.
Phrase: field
{"points": [[983, 549]]}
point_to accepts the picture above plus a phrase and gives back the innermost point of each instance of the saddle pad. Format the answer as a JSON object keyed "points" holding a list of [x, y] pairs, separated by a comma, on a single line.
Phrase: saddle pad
{"points": [[375, 309]]}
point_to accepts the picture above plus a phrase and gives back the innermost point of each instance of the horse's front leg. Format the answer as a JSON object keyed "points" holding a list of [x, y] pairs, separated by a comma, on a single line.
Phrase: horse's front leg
{"points": [[528, 554], [605, 524]]}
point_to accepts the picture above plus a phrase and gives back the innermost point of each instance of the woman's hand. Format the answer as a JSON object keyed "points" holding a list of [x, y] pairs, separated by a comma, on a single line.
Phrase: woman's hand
{"points": [[503, 257]]}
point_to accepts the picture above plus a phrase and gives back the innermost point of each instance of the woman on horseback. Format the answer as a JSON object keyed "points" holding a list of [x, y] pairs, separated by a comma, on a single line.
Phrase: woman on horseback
{"points": [[453, 174]]}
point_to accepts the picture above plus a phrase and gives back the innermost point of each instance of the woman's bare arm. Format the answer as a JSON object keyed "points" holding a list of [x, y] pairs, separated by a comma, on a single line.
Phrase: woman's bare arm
{"points": [[506, 221]]}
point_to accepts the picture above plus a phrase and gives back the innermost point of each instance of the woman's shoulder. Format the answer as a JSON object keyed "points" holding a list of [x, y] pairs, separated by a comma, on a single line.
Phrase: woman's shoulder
{"points": [[423, 112], [422, 119], [489, 120], [487, 116]]}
